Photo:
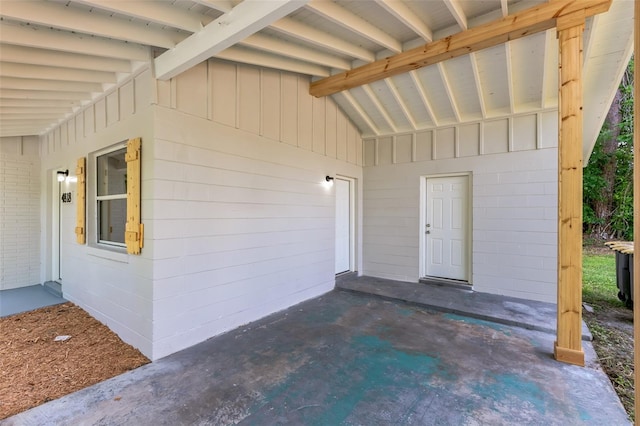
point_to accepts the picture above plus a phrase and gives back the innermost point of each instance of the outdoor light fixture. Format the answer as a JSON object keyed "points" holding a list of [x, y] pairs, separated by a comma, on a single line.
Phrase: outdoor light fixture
{"points": [[329, 179], [62, 175]]}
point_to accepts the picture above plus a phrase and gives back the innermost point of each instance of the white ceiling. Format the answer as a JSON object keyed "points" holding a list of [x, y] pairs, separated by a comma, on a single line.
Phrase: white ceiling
{"points": [[57, 56]]}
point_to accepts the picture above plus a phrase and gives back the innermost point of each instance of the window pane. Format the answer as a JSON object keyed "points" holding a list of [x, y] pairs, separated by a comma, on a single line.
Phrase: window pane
{"points": [[112, 173], [112, 216]]}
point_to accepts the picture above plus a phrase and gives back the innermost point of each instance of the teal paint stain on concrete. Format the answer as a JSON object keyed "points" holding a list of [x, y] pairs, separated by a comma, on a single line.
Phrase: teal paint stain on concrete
{"points": [[474, 321], [371, 363], [405, 312], [379, 365], [505, 387]]}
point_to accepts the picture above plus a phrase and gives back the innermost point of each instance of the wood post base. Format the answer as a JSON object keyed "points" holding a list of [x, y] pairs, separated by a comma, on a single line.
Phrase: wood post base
{"points": [[569, 356]]}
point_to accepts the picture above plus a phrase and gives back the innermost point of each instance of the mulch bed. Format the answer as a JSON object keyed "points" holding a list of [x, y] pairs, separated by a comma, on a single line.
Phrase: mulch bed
{"points": [[34, 368]]}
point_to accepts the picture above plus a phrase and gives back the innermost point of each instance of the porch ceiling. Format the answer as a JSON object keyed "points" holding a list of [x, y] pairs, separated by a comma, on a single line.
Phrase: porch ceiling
{"points": [[58, 56]]}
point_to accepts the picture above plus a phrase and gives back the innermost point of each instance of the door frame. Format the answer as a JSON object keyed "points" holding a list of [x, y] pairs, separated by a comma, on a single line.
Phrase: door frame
{"points": [[423, 223], [56, 242], [352, 221]]}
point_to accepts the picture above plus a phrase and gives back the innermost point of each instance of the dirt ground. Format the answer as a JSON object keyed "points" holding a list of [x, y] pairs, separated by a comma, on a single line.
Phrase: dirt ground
{"points": [[612, 329], [35, 368]]}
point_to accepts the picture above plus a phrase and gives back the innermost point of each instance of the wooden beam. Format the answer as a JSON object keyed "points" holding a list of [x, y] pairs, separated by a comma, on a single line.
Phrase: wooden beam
{"points": [[568, 345], [511, 27], [636, 212]]}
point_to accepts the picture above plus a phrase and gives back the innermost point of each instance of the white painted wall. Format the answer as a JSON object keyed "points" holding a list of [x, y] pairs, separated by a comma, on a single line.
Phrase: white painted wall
{"points": [[112, 286], [19, 212], [243, 224], [513, 166]]}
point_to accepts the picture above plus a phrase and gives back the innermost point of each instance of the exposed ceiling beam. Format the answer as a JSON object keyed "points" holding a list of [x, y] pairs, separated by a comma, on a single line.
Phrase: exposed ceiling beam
{"points": [[511, 27], [223, 6], [449, 91], [405, 15], [160, 12], [9, 117], [45, 38], [423, 97], [504, 7], [296, 51], [245, 19], [381, 108], [69, 18], [549, 70], [352, 22], [265, 59], [48, 85], [42, 94], [43, 103], [10, 69], [510, 88], [476, 77], [401, 102], [358, 109], [321, 39], [457, 12], [33, 56]]}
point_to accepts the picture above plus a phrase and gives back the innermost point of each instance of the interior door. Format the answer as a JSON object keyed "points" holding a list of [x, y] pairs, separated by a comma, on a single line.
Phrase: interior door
{"points": [[343, 225], [446, 229]]}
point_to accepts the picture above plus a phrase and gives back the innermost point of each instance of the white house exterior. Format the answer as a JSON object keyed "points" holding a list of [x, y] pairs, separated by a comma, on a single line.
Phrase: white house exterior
{"points": [[239, 218]]}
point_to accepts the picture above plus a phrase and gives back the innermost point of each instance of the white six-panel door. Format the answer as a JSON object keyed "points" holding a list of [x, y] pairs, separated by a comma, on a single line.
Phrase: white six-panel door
{"points": [[446, 227]]}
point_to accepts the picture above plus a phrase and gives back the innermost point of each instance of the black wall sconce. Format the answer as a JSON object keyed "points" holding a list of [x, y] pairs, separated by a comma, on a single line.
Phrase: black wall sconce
{"points": [[329, 179], [62, 175]]}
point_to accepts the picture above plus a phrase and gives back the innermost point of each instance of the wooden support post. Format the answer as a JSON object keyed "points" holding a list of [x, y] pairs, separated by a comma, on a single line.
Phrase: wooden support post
{"points": [[636, 212], [568, 345]]}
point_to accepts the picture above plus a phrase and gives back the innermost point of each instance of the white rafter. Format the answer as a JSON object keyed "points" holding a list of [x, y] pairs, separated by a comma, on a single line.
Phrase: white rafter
{"points": [[43, 94], [423, 97], [160, 12], [46, 38], [504, 7], [405, 15], [265, 59], [449, 91], [321, 39], [10, 69], [295, 51], [361, 112], [352, 22], [38, 103], [245, 19], [381, 108], [44, 57], [510, 88], [457, 12], [223, 6], [57, 15], [476, 77], [588, 41], [401, 102], [48, 85], [549, 66]]}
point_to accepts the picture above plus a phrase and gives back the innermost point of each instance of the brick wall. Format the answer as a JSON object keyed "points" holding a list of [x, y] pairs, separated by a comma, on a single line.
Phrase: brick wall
{"points": [[19, 212]]}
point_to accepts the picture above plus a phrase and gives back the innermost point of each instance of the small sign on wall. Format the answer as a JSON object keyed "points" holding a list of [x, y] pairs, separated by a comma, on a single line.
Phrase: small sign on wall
{"points": [[66, 197]]}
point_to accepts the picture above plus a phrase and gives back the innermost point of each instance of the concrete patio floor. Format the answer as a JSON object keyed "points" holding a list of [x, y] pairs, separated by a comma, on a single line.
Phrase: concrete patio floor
{"points": [[352, 358], [24, 299]]}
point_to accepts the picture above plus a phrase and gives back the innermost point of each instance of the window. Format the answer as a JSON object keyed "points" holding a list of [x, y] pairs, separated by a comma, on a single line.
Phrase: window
{"points": [[111, 197]]}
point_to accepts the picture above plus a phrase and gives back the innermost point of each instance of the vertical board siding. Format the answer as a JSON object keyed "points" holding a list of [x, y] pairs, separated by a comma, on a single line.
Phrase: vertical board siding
{"points": [[514, 202], [264, 102], [19, 212]]}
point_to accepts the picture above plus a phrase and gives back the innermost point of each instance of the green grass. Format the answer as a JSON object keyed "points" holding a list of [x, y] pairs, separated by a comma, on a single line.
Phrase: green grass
{"points": [[599, 280]]}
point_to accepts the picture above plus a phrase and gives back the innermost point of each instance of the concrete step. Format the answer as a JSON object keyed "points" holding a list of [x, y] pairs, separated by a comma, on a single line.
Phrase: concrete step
{"points": [[53, 287]]}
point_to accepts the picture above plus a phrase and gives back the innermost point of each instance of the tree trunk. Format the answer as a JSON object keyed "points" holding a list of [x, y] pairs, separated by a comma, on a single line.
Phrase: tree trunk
{"points": [[603, 206]]}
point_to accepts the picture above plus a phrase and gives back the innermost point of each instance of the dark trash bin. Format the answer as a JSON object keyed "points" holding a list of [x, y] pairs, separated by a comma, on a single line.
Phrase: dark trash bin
{"points": [[623, 278]]}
